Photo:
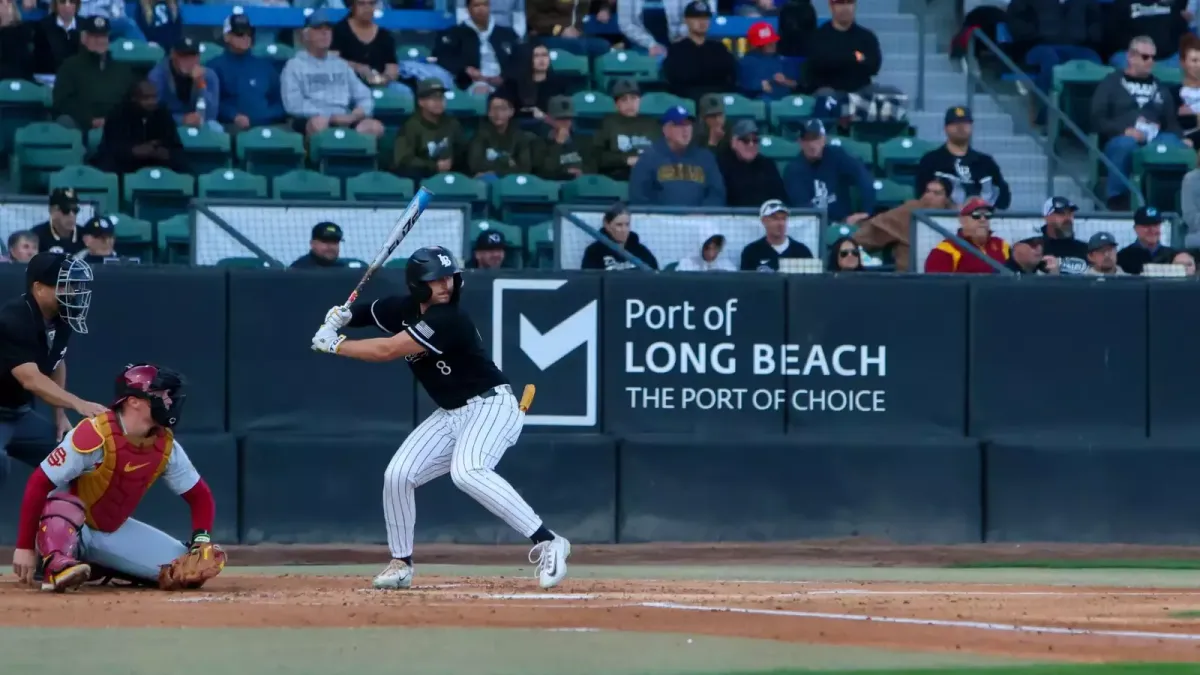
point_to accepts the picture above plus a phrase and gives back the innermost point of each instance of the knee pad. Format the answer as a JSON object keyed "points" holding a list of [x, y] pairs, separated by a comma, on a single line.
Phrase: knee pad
{"points": [[59, 530]]}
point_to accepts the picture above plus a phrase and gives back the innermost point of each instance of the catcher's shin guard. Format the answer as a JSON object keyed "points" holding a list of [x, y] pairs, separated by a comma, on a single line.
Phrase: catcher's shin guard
{"points": [[58, 543]]}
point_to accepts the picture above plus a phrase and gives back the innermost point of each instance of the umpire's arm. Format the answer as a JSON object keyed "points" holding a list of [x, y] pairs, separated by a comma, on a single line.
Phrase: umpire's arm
{"points": [[59, 377], [46, 388]]}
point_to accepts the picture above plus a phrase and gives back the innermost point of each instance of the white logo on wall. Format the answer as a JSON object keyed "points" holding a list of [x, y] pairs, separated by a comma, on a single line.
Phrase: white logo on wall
{"points": [[547, 349]]}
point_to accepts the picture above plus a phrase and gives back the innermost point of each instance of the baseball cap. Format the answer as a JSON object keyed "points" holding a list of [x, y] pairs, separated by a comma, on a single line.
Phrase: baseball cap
{"points": [[490, 240], [1037, 236], [186, 46], [976, 204], [98, 226], [560, 107], [45, 268], [1101, 240], [697, 9], [430, 86], [745, 128], [711, 104], [771, 207], [238, 24], [761, 34], [327, 232], [65, 199], [958, 113], [1058, 205], [96, 25], [812, 129], [676, 114], [318, 19], [624, 87], [1147, 215]]}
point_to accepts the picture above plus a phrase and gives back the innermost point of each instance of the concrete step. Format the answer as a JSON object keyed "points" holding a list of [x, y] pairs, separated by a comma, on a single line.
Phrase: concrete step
{"points": [[1016, 165], [982, 105], [900, 42], [935, 83]]}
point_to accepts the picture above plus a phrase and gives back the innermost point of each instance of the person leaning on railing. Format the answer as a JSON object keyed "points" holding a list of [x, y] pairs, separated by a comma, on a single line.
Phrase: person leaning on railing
{"points": [[974, 222]]}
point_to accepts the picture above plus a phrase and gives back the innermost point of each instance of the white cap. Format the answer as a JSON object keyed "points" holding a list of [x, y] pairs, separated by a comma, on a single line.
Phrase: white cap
{"points": [[770, 207]]}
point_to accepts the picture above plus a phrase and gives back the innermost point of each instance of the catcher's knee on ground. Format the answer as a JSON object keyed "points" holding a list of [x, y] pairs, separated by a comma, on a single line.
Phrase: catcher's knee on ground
{"points": [[59, 531]]}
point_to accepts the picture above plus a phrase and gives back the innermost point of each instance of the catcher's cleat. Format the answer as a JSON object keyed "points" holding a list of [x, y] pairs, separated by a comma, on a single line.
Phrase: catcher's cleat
{"points": [[72, 576], [398, 574]]}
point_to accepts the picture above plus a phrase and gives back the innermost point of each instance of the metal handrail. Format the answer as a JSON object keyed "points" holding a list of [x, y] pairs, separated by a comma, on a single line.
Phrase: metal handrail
{"points": [[966, 246]]}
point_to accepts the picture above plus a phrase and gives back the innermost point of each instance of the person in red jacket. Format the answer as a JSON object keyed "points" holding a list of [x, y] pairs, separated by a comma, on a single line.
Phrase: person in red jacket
{"points": [[974, 223]]}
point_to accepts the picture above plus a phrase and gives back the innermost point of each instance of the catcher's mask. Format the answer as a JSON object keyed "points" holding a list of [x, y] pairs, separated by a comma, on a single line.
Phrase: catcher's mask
{"points": [[71, 279], [430, 264], [147, 381]]}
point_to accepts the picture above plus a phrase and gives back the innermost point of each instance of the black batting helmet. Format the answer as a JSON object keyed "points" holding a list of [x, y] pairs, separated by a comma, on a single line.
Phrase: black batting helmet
{"points": [[430, 264], [139, 380]]}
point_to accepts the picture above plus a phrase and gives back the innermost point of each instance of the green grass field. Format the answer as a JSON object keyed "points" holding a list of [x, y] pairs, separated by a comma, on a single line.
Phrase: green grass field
{"points": [[1163, 564]]}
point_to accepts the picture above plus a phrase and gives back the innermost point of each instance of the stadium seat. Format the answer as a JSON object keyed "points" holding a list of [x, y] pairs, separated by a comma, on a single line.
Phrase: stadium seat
{"points": [[1161, 169], [524, 199], [274, 52], [379, 186], [881, 132], [21, 103], [156, 194], [269, 152], [594, 189], [590, 108], [1171, 75], [468, 108], [94, 137], [391, 109], [836, 231], [863, 151], [206, 149], [40, 149], [739, 107], [618, 64], [899, 157], [571, 67], [342, 152], [412, 52], [90, 184], [788, 114], [1074, 84], [242, 262], [655, 103], [779, 150], [539, 245], [174, 239], [305, 185], [890, 194], [670, 267], [456, 187], [231, 184], [210, 51], [514, 252], [141, 56], [134, 237]]}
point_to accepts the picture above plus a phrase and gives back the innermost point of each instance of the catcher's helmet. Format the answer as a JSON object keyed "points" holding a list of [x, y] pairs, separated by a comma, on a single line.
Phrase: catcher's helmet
{"points": [[430, 264], [139, 380]]}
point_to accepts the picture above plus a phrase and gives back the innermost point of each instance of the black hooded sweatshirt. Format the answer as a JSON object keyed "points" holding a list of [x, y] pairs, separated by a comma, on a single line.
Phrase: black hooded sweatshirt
{"points": [[600, 257], [749, 183], [131, 125]]}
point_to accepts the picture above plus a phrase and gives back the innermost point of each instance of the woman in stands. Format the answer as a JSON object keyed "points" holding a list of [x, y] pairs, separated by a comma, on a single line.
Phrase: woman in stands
{"points": [[535, 84], [1189, 92], [844, 256]]}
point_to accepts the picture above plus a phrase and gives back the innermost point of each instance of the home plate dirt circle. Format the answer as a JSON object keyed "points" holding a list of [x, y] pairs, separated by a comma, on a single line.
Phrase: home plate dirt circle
{"points": [[1022, 621]]}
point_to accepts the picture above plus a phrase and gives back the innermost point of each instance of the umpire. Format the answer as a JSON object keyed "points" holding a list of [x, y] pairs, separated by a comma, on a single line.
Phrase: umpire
{"points": [[34, 331]]}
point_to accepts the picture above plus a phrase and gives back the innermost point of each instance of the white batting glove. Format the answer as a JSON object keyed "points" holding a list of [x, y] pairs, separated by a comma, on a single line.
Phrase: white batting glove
{"points": [[337, 317], [327, 340]]}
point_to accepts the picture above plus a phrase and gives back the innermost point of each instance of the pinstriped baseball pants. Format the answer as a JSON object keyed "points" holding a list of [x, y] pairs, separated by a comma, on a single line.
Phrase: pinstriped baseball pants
{"points": [[467, 443]]}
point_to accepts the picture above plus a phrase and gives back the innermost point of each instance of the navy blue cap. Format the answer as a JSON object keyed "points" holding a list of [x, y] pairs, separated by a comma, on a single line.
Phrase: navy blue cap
{"points": [[98, 226], [812, 129], [1101, 240], [1147, 215]]}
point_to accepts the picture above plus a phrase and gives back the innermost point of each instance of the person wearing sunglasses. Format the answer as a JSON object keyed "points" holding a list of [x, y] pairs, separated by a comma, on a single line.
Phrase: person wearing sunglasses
{"points": [[1029, 256], [974, 223], [844, 256], [59, 234], [750, 178]]}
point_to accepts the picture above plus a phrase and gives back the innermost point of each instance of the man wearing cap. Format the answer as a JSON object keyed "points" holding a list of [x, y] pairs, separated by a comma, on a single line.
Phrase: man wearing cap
{"points": [[59, 234], [90, 85], [430, 142], [842, 55], [821, 178], [34, 332], [763, 255], [696, 65], [324, 248], [99, 236], [1028, 256], [1102, 256], [675, 173], [712, 112], [250, 95], [624, 135], [320, 90], [558, 24], [499, 147], [750, 178], [478, 52], [762, 73], [1147, 248], [975, 227], [561, 154], [1058, 235], [190, 91], [971, 173], [489, 251]]}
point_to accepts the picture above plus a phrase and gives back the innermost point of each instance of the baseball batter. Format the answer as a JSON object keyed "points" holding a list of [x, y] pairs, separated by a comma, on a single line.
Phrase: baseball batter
{"points": [[477, 420], [78, 502]]}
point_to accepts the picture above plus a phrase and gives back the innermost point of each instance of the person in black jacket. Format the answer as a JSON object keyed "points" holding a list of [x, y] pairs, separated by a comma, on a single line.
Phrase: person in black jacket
{"points": [[842, 55], [1159, 20], [140, 133], [461, 49], [1058, 236], [971, 173], [325, 247], [750, 178], [695, 65], [1148, 247], [616, 226], [56, 37], [16, 44], [533, 84]]}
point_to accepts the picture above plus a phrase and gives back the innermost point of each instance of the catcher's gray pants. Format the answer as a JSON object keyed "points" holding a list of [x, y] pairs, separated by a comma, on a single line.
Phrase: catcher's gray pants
{"points": [[135, 549]]}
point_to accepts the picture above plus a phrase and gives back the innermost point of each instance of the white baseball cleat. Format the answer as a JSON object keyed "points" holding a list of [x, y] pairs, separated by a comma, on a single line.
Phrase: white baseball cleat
{"points": [[396, 575], [551, 560], [73, 576]]}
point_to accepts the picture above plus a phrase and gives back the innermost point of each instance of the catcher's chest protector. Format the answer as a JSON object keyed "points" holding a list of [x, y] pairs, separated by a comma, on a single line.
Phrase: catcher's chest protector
{"points": [[112, 491]]}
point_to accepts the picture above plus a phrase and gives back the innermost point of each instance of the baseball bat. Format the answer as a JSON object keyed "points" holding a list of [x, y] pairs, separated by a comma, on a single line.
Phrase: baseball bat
{"points": [[403, 226], [527, 397]]}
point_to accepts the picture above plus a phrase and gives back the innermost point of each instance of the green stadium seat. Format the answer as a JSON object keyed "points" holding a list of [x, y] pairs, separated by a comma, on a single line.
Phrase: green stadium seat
{"points": [[890, 194], [618, 64], [141, 56], [1074, 84], [459, 188], [242, 263], [739, 107], [655, 103], [468, 108], [134, 237], [539, 245], [590, 108], [1161, 169], [206, 149], [40, 149], [523, 199], [862, 151], [94, 137], [594, 189], [514, 251], [21, 103], [379, 186], [788, 114], [899, 157], [90, 184], [391, 109], [156, 194], [174, 239], [572, 67], [876, 133], [305, 185], [269, 151], [231, 184], [779, 150], [412, 52], [342, 152], [836, 231], [273, 52], [210, 51], [1172, 75]]}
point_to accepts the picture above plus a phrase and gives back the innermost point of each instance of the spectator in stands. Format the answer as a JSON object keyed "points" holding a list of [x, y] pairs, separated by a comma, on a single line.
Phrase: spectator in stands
{"points": [[90, 85], [558, 24], [974, 227], [560, 154], [320, 90], [16, 43], [22, 245], [821, 178], [886, 234], [971, 173], [695, 65], [708, 258], [479, 52], [1058, 235], [632, 24], [1160, 21], [1058, 32], [139, 134], [160, 22], [750, 178], [615, 228], [762, 255], [1147, 248], [325, 246], [58, 234], [797, 21], [499, 147], [673, 172], [488, 253], [1188, 94], [56, 37], [712, 112], [250, 94], [624, 135], [190, 91], [369, 50], [842, 55], [122, 27], [99, 237], [1102, 256], [1187, 261], [844, 256], [762, 73], [1189, 199], [1029, 256], [535, 83], [503, 12], [430, 142]]}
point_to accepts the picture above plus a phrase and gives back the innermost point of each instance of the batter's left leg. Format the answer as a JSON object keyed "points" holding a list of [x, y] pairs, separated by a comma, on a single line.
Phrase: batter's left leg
{"points": [[135, 550]]}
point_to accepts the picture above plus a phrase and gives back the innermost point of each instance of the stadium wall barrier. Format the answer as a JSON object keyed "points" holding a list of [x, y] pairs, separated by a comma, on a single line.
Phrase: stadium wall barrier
{"points": [[689, 407]]}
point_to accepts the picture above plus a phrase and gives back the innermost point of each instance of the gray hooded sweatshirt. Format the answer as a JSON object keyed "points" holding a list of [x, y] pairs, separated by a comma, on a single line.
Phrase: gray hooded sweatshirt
{"points": [[314, 87]]}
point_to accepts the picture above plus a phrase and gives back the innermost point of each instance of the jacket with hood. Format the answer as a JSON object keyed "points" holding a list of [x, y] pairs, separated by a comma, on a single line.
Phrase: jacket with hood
{"points": [[597, 256], [130, 126], [314, 87], [180, 102], [825, 184], [749, 183], [619, 138], [90, 86], [421, 144], [697, 263], [250, 87], [499, 153], [458, 48], [1120, 100], [667, 178]]}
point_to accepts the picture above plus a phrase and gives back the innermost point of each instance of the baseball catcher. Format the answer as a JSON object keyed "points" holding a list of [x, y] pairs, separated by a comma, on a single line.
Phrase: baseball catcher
{"points": [[76, 516]]}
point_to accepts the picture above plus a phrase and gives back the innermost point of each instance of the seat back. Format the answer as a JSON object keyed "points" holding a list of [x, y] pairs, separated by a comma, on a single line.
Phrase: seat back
{"points": [[378, 186], [594, 189], [206, 149], [305, 185], [231, 184], [157, 194], [269, 152]]}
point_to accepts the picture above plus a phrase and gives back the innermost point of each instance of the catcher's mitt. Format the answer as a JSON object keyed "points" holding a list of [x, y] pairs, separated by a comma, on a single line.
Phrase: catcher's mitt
{"points": [[203, 561]]}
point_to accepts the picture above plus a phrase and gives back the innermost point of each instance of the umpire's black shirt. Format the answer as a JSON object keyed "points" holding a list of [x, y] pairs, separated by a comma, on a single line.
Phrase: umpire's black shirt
{"points": [[26, 337], [310, 261], [48, 241]]}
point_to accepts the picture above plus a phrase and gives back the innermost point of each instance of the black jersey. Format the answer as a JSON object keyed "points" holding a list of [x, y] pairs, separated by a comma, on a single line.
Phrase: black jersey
{"points": [[454, 366], [27, 337]]}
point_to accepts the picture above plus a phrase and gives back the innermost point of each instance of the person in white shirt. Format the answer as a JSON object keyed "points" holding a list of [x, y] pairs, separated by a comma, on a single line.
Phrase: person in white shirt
{"points": [[709, 258]]}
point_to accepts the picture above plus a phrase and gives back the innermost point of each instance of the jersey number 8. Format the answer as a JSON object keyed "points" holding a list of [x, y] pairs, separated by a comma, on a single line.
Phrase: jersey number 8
{"points": [[443, 368]]}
